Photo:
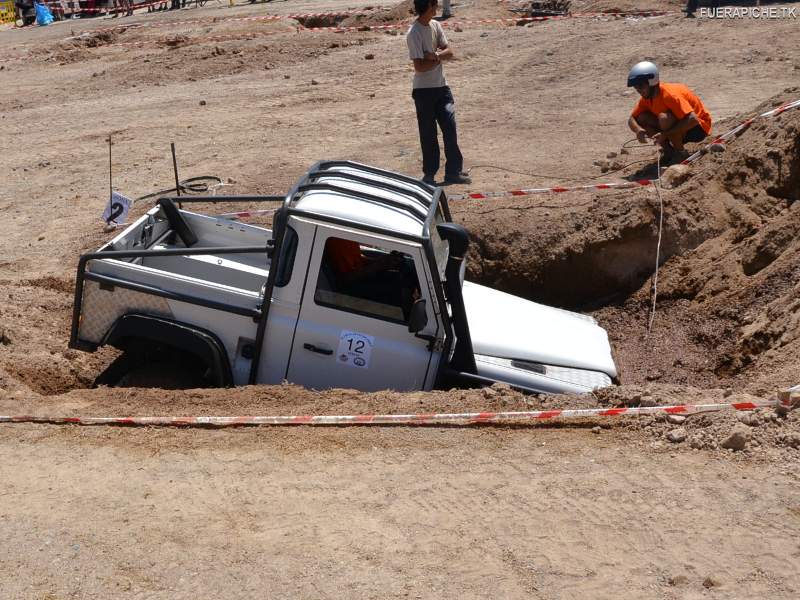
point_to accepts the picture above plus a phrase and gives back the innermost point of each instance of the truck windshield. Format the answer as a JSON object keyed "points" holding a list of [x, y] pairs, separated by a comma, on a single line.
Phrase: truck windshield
{"points": [[441, 248]]}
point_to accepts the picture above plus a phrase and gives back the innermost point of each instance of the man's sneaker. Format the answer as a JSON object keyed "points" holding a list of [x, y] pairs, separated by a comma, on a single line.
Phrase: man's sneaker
{"points": [[678, 156], [429, 180], [458, 178]]}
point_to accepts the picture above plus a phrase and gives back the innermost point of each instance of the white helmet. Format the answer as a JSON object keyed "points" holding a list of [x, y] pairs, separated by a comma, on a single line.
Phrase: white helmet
{"points": [[641, 72]]}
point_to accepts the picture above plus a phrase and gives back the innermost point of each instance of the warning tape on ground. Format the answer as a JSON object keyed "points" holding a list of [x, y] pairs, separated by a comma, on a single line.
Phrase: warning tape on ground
{"points": [[404, 23], [552, 190], [624, 184], [475, 418], [272, 18], [740, 128], [114, 10], [236, 36], [108, 10], [582, 188], [275, 18], [606, 13], [218, 20], [248, 213]]}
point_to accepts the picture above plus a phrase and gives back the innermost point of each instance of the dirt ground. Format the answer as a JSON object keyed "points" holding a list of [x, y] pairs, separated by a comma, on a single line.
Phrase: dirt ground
{"points": [[625, 509]]}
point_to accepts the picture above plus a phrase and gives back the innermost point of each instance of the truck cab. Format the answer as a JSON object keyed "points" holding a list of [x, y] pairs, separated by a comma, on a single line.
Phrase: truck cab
{"points": [[359, 284]]}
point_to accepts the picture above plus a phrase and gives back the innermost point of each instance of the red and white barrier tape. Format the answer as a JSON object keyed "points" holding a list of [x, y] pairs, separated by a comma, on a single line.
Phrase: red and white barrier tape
{"points": [[617, 14], [412, 419], [552, 190], [217, 20], [140, 25], [634, 13], [115, 9], [595, 186], [335, 28], [248, 213], [740, 128], [447, 24], [624, 184]]}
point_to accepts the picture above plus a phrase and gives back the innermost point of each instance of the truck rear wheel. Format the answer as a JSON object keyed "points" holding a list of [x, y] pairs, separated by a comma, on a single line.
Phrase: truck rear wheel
{"points": [[159, 352], [160, 367]]}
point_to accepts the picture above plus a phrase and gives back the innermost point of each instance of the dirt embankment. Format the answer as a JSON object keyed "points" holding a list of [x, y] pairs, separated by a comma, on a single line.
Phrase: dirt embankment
{"points": [[728, 285]]}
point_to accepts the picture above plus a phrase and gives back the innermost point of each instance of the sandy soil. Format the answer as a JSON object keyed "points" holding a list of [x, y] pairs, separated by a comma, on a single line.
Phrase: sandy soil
{"points": [[610, 509]]}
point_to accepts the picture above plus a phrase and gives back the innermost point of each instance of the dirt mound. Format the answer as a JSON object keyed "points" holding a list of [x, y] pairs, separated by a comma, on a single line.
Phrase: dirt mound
{"points": [[747, 272], [97, 39], [401, 12], [174, 41], [766, 433]]}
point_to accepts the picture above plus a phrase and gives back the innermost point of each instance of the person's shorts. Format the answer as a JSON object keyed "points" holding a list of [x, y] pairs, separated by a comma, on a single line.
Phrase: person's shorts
{"points": [[695, 134]]}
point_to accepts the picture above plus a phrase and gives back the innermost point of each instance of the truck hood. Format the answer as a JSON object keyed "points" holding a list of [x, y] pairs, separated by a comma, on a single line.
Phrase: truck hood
{"points": [[507, 326]]}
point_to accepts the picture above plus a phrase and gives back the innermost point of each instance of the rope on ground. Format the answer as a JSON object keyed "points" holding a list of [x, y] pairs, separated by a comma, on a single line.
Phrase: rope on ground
{"points": [[657, 186], [193, 185]]}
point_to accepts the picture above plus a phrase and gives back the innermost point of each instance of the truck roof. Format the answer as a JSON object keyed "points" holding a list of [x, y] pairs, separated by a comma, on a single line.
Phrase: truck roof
{"points": [[352, 194]]}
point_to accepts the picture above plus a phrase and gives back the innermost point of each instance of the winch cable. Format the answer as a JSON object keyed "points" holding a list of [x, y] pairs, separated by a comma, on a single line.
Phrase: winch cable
{"points": [[193, 185]]}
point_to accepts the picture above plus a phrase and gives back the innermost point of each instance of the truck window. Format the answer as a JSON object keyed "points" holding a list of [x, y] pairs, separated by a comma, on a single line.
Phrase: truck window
{"points": [[286, 261], [367, 280]]}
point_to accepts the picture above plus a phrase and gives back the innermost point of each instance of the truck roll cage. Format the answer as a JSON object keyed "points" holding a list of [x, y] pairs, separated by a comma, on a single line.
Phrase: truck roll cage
{"points": [[107, 280], [422, 205]]}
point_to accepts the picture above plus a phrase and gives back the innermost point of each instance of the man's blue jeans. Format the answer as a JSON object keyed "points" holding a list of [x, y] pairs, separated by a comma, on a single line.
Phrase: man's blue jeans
{"points": [[436, 105]]}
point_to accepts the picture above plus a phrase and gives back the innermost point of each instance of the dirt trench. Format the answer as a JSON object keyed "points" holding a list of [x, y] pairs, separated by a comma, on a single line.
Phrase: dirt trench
{"points": [[728, 288]]}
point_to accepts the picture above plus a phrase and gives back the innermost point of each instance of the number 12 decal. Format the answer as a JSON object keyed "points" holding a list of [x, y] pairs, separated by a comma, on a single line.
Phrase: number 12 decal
{"points": [[354, 349]]}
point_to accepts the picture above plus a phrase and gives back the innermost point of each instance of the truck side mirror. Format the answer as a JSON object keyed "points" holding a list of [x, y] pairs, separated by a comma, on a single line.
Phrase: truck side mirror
{"points": [[418, 317]]}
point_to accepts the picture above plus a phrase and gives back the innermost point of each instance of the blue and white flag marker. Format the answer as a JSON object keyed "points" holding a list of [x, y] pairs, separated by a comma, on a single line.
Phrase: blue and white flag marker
{"points": [[116, 212]]}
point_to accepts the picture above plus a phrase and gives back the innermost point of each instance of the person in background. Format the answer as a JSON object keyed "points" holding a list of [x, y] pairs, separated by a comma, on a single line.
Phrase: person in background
{"points": [[433, 100], [26, 11], [124, 6], [446, 12], [668, 113]]}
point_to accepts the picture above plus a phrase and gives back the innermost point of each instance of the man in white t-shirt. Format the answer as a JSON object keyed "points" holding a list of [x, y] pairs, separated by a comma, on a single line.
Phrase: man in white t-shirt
{"points": [[427, 48]]}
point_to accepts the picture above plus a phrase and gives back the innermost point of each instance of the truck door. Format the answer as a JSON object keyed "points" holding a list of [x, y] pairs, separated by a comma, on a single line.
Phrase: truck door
{"points": [[353, 325]]}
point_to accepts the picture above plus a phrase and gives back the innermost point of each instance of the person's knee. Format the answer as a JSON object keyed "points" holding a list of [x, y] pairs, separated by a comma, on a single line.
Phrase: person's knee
{"points": [[666, 120], [647, 121]]}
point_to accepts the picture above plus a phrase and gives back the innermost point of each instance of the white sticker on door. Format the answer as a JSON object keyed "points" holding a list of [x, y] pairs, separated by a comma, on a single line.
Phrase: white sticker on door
{"points": [[354, 349]]}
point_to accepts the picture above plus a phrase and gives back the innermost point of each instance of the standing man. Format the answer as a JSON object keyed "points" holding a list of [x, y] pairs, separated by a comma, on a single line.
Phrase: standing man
{"points": [[446, 12], [427, 48], [669, 113]]}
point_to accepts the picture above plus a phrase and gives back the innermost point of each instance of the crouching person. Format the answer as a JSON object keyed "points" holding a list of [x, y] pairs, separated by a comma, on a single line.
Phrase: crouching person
{"points": [[668, 113]]}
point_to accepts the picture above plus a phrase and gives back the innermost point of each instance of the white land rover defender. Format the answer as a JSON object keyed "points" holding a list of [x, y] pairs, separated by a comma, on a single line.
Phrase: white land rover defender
{"points": [[360, 284]]}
